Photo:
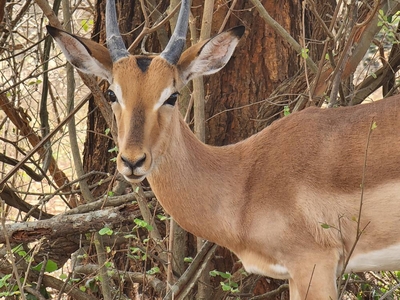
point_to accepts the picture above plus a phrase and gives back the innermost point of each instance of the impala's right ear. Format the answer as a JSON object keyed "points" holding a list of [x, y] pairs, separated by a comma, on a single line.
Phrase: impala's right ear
{"points": [[84, 54]]}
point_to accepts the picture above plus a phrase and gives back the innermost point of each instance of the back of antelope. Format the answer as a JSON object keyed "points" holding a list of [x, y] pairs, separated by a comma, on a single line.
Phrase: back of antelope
{"points": [[287, 200]]}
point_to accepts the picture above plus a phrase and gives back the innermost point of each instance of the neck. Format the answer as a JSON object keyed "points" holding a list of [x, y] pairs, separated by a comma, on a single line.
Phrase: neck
{"points": [[195, 183]]}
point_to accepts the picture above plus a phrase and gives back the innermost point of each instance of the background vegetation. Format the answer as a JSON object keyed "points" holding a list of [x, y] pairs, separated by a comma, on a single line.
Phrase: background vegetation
{"points": [[71, 228]]}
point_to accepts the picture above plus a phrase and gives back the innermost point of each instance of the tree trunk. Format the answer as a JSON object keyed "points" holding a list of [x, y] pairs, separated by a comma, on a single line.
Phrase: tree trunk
{"points": [[260, 63]]}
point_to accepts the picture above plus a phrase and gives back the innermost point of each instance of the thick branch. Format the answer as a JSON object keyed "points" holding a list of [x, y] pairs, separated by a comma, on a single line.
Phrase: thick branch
{"points": [[67, 225]]}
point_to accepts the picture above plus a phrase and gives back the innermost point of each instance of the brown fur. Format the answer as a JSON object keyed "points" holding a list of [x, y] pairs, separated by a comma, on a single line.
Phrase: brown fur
{"points": [[267, 197]]}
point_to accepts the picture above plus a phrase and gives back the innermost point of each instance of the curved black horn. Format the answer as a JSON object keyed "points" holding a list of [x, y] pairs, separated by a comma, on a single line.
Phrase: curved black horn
{"points": [[115, 44], [174, 49]]}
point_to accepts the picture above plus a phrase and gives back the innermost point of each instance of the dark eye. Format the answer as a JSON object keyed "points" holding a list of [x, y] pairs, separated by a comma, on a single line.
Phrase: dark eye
{"points": [[172, 99], [110, 96]]}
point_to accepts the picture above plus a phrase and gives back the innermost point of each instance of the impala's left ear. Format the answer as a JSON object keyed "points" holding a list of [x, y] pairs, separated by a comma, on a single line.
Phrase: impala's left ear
{"points": [[84, 54], [210, 56]]}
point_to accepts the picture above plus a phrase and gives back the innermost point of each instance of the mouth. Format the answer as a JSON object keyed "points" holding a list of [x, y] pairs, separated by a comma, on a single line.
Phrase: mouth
{"points": [[134, 178]]}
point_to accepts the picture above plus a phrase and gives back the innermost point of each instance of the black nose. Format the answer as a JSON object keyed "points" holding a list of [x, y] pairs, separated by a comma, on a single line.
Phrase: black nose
{"points": [[134, 164]]}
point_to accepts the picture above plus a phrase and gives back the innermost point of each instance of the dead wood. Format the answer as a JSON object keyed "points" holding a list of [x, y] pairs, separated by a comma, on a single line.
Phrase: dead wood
{"points": [[69, 225]]}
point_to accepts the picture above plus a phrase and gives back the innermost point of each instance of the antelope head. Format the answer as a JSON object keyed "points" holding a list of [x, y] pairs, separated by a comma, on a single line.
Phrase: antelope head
{"points": [[144, 89]]}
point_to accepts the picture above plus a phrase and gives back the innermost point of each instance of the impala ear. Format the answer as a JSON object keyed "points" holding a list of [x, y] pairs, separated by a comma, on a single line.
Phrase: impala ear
{"points": [[84, 54], [209, 56]]}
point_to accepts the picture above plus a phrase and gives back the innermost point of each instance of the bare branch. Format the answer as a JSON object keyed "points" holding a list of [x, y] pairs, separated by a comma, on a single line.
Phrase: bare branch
{"points": [[67, 225]]}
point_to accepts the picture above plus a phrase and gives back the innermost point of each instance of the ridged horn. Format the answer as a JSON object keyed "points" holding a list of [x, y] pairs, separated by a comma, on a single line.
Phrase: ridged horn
{"points": [[115, 44], [174, 49]]}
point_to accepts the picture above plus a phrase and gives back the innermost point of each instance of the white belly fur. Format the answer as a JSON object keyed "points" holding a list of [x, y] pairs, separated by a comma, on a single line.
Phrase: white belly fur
{"points": [[274, 271], [387, 259], [256, 264]]}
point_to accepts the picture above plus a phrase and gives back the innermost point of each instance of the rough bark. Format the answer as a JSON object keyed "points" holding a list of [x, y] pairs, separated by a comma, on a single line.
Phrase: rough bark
{"points": [[260, 63], [68, 225]]}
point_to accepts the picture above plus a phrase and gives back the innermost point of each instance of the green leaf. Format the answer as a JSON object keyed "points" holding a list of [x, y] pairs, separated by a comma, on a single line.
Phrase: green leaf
{"points": [[153, 271], [325, 226], [105, 231], [115, 149], [143, 224], [189, 260], [3, 280], [135, 249], [286, 110], [85, 24], [17, 249], [225, 275], [213, 273], [91, 284], [162, 217], [63, 276], [129, 236], [225, 287], [51, 266], [304, 53], [107, 131], [373, 126]]}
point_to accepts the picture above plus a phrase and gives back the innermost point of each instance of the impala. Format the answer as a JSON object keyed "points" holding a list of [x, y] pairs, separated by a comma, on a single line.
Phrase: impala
{"points": [[288, 199]]}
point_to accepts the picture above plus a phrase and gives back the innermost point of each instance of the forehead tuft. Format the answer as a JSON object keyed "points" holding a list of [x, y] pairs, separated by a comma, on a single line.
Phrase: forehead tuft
{"points": [[143, 62]]}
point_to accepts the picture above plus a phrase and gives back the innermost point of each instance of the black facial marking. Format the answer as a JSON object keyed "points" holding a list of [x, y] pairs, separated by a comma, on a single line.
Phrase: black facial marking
{"points": [[143, 63]]}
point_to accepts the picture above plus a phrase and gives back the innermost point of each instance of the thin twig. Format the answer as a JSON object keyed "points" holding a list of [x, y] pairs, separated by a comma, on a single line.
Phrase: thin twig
{"points": [[147, 30], [272, 294], [359, 230], [305, 55], [9, 249], [228, 14]]}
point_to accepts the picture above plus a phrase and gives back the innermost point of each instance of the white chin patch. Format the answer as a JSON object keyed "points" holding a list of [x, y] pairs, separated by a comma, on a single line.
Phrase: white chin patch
{"points": [[135, 179]]}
